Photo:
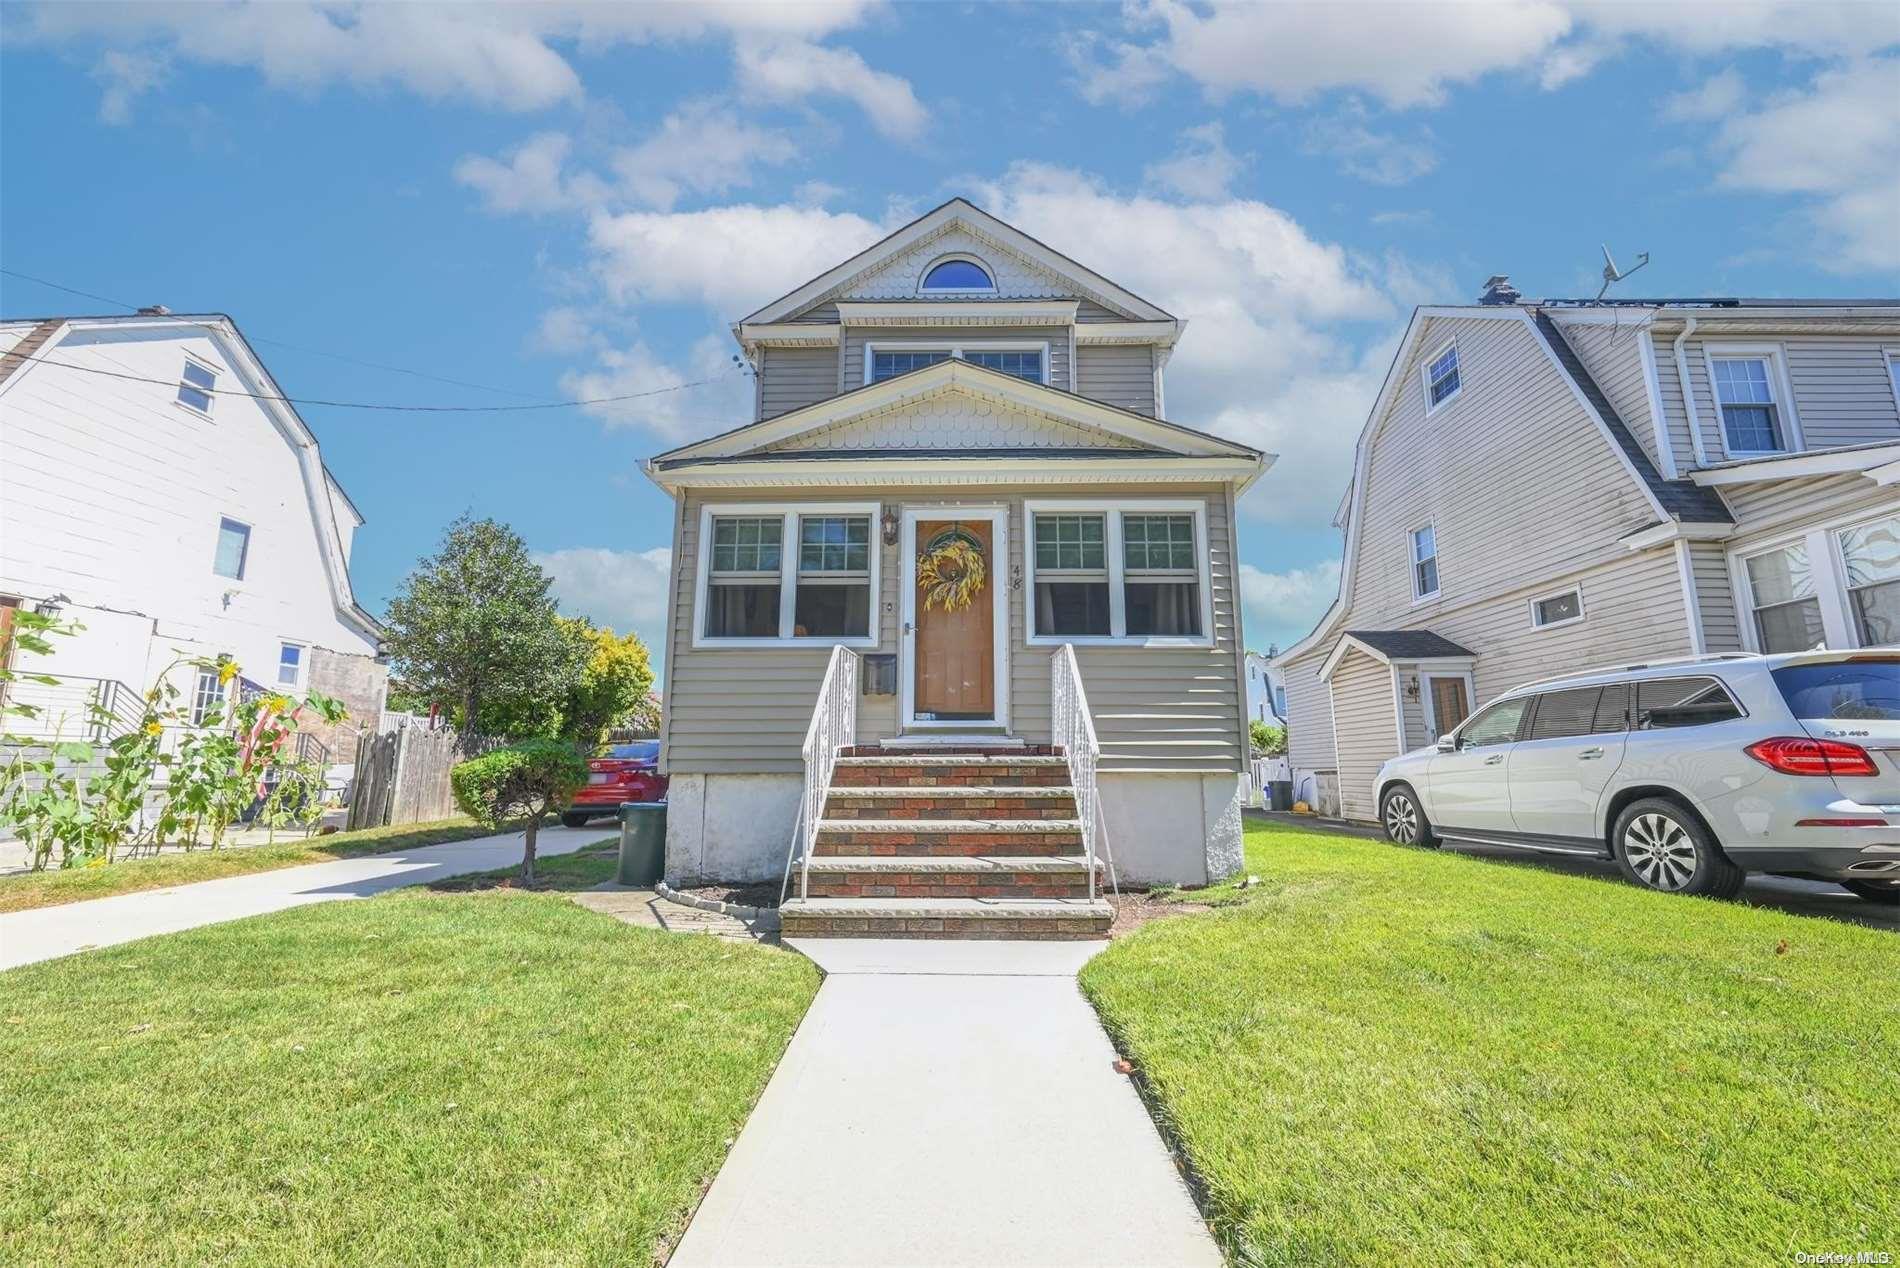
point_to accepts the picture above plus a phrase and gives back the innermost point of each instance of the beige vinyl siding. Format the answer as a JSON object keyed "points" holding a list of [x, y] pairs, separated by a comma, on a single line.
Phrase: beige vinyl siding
{"points": [[825, 314], [1785, 505], [1089, 310], [1057, 337], [1517, 480], [1842, 392], [1309, 724], [1367, 728], [1412, 710], [1715, 597], [1120, 374], [792, 378], [1167, 709], [1612, 354], [1669, 391]]}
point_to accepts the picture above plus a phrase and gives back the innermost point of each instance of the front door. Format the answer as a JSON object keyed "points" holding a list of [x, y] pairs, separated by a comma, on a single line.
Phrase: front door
{"points": [[1450, 704], [954, 571]]}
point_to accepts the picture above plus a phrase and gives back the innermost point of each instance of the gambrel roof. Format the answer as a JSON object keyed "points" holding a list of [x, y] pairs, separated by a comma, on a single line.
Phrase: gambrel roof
{"points": [[889, 268]]}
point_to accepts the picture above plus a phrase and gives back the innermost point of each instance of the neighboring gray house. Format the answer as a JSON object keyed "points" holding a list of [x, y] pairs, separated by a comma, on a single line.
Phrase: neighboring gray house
{"points": [[1547, 486], [958, 390]]}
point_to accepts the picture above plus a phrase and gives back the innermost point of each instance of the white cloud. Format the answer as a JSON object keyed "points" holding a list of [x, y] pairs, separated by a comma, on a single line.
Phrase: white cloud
{"points": [[496, 55], [731, 259], [530, 179], [1283, 606], [1719, 96], [702, 148], [1377, 158], [127, 76], [625, 590], [1202, 168], [788, 71], [722, 396], [1838, 142]]}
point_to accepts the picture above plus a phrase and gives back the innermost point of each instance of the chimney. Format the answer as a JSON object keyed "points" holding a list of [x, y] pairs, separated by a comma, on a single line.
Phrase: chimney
{"points": [[1498, 290], [155, 310]]}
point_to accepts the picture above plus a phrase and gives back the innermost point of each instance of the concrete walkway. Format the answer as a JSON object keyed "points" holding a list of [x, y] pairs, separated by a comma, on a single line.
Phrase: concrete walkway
{"points": [[948, 1103], [47, 932]]}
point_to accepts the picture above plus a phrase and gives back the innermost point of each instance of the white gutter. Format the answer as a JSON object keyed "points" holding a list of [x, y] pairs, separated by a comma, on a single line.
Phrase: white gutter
{"points": [[1688, 393]]}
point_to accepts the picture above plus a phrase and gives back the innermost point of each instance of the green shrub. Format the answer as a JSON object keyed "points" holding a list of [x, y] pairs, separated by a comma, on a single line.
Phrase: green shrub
{"points": [[516, 786], [1268, 740]]}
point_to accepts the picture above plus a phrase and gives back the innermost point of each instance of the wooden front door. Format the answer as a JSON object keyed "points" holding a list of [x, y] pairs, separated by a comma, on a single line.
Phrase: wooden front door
{"points": [[1449, 705], [954, 657]]}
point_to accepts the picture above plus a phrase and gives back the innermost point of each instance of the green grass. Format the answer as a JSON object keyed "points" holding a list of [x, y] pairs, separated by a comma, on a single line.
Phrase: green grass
{"points": [[22, 890], [488, 1078], [585, 868], [1383, 1055]]}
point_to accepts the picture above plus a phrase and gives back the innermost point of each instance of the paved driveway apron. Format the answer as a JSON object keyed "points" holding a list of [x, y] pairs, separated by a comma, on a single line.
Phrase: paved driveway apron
{"points": [[948, 1103]]}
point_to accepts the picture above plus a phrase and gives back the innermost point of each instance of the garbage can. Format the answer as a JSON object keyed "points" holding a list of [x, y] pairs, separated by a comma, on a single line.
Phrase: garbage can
{"points": [[1280, 794], [642, 843]]}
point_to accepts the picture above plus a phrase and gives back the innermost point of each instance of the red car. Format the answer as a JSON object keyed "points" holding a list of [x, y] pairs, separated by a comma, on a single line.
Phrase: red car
{"points": [[622, 772]]}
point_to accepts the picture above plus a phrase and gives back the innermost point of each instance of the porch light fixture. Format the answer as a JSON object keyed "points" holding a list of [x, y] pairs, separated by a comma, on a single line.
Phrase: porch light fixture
{"points": [[888, 523], [1411, 687], [51, 605]]}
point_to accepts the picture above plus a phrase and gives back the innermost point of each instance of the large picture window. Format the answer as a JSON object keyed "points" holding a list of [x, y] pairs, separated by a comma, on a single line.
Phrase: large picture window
{"points": [[1135, 572], [1026, 361], [787, 575]]}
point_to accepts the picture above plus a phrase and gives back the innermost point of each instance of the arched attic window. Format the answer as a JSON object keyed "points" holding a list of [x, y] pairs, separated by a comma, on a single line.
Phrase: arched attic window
{"points": [[957, 275]]}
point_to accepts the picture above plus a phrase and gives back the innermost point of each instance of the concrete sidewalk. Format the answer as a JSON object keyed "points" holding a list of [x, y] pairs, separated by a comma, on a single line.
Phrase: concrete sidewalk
{"points": [[46, 932], [948, 1103]]}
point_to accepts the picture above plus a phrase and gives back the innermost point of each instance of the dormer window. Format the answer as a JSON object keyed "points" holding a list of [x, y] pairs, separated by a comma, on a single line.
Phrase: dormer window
{"points": [[957, 275]]}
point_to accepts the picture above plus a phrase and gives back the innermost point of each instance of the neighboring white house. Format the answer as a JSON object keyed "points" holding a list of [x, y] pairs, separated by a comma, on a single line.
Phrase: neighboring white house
{"points": [[957, 394], [1549, 486], [1266, 689], [144, 499]]}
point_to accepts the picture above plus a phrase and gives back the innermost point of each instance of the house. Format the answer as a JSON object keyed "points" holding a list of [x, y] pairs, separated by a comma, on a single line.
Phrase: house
{"points": [[1266, 689], [1547, 486], [156, 490], [960, 475]]}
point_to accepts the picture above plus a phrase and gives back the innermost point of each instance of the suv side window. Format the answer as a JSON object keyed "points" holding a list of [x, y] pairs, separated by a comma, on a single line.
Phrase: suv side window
{"points": [[1662, 703], [1496, 725], [1613, 711], [1562, 714]]}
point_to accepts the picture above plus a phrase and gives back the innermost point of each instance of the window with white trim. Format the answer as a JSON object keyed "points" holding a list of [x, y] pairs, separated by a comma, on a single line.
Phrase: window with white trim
{"points": [[1871, 555], [957, 275], [290, 658], [1785, 608], [1558, 609], [1424, 562], [888, 365], [1745, 396], [1442, 380], [234, 548], [207, 696], [1026, 361], [777, 574], [1279, 702], [196, 384], [1136, 572]]}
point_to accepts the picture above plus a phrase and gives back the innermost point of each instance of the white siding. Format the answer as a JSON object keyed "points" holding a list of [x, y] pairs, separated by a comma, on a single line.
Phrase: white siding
{"points": [[1367, 726]]}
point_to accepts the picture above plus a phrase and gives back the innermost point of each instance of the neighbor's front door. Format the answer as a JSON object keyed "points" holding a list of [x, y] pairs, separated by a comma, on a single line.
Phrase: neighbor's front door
{"points": [[954, 656]]}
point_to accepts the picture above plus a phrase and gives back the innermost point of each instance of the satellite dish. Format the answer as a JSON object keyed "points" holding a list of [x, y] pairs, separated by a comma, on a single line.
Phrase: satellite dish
{"points": [[1612, 274]]}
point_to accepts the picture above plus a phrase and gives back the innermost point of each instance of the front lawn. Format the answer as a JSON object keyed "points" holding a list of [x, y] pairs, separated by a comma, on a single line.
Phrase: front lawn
{"points": [[21, 890], [1382, 1055], [421, 1077]]}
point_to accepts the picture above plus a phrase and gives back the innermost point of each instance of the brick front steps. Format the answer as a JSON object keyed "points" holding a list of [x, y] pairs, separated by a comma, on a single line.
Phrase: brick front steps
{"points": [[983, 843]]}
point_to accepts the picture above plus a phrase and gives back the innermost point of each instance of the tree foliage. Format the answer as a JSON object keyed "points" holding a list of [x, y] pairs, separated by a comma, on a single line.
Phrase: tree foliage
{"points": [[1268, 740], [612, 687], [474, 629], [516, 786]]}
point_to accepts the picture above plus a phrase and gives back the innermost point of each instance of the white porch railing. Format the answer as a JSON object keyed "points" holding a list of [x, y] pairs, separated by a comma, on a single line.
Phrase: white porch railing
{"points": [[1073, 730], [834, 724]]}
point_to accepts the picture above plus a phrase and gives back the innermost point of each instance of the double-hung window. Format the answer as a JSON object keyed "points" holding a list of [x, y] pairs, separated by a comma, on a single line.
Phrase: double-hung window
{"points": [[1135, 572], [1786, 608], [1871, 554], [207, 697], [1745, 397], [196, 384], [1424, 562], [290, 658], [1442, 380], [782, 574]]}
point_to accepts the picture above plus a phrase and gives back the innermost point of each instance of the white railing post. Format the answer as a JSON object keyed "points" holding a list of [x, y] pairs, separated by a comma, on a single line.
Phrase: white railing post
{"points": [[1073, 729], [834, 724]]}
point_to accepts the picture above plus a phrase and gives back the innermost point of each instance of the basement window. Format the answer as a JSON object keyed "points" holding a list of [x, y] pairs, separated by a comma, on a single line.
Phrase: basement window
{"points": [[1558, 609]]}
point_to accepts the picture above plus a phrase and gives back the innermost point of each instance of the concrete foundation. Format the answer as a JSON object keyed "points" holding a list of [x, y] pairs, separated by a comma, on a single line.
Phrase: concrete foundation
{"points": [[730, 828], [1173, 829]]}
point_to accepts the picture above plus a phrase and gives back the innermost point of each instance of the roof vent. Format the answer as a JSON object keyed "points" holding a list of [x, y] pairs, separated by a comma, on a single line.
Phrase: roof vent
{"points": [[155, 310], [1498, 290]]}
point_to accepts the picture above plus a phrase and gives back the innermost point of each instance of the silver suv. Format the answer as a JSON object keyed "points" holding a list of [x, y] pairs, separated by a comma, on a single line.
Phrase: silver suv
{"points": [[1688, 773]]}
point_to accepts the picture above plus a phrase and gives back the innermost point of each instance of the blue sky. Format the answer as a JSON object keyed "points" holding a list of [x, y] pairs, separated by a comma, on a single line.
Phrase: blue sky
{"points": [[558, 201]]}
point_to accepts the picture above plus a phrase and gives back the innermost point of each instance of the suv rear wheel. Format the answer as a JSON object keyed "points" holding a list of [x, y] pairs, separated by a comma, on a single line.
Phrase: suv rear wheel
{"points": [[1404, 819], [1880, 891], [1660, 845]]}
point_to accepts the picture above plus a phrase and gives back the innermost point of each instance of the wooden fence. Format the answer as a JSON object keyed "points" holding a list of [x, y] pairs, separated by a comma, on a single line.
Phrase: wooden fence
{"points": [[402, 776]]}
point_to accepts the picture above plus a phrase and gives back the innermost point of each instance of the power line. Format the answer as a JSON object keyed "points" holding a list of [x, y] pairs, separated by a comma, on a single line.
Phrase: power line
{"points": [[281, 343], [366, 405]]}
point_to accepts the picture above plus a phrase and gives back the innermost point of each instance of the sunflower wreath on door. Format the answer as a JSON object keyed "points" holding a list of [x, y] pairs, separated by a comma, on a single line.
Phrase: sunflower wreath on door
{"points": [[950, 570]]}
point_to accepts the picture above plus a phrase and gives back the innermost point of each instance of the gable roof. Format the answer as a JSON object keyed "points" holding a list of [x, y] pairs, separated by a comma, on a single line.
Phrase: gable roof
{"points": [[1387, 646], [970, 216], [238, 354]]}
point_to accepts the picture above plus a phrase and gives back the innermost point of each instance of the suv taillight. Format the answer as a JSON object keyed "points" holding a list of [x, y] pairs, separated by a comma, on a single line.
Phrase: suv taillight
{"points": [[1792, 756]]}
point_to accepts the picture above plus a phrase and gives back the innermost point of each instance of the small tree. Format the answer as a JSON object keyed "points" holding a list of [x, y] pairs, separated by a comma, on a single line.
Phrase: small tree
{"points": [[517, 785], [611, 688], [1268, 740]]}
